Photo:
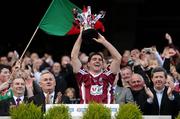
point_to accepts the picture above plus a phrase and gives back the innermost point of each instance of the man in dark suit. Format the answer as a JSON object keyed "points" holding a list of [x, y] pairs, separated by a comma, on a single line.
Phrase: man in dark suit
{"points": [[48, 94], [161, 100], [18, 89], [137, 88]]}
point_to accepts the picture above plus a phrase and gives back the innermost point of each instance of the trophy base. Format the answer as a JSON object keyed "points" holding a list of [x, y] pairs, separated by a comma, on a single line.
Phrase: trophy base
{"points": [[88, 35], [89, 44]]}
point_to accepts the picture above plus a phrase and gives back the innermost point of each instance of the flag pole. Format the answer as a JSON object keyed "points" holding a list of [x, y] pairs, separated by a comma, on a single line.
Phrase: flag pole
{"points": [[6, 84], [29, 43], [35, 32]]}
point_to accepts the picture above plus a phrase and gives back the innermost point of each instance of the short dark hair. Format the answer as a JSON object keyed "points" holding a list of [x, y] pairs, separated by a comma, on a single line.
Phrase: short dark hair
{"points": [[126, 67], [2, 66], [95, 53], [158, 69]]}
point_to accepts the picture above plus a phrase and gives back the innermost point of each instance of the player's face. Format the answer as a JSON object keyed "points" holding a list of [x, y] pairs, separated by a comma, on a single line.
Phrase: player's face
{"points": [[96, 63]]}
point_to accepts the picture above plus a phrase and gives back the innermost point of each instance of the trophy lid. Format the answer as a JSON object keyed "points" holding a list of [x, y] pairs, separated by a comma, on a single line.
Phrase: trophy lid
{"points": [[86, 18]]}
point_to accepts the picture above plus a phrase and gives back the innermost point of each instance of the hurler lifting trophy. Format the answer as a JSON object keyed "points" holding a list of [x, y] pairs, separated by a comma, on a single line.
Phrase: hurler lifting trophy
{"points": [[88, 21]]}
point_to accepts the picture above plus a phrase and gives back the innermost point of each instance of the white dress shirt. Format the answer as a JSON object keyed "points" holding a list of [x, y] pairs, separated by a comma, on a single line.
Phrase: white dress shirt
{"points": [[51, 97], [159, 94], [15, 98]]}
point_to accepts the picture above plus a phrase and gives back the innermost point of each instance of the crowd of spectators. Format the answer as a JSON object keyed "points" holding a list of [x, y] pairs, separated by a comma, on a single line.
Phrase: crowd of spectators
{"points": [[147, 77]]}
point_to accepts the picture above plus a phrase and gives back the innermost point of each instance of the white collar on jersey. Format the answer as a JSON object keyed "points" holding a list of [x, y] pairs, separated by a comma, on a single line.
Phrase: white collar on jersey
{"points": [[95, 75]]}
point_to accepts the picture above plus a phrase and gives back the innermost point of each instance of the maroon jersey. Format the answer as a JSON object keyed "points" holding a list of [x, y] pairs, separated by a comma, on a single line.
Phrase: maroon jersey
{"points": [[96, 88]]}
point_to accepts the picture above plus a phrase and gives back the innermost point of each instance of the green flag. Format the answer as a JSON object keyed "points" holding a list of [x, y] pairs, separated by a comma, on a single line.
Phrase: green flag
{"points": [[58, 19]]}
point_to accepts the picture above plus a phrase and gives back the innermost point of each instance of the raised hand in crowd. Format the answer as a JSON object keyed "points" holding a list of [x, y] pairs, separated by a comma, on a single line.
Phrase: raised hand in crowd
{"points": [[148, 92], [47, 58], [4, 85], [168, 37], [29, 87], [17, 66], [168, 52], [58, 98], [27, 63], [170, 89], [12, 56]]}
